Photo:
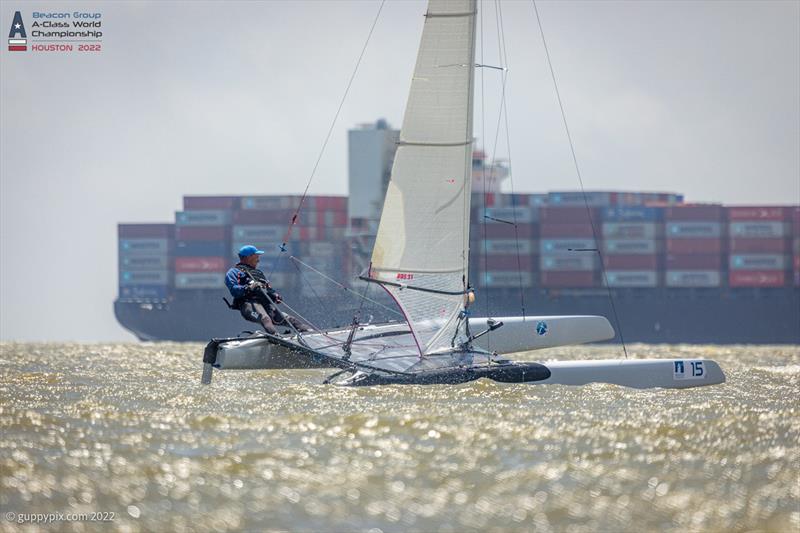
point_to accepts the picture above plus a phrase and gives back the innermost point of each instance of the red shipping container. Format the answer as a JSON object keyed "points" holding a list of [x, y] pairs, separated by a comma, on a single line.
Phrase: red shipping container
{"points": [[331, 203], [695, 262], [146, 231], [567, 230], [258, 217], [526, 263], [569, 215], [760, 246], [203, 233], [694, 246], [503, 231], [756, 212], [757, 278], [709, 212], [569, 279], [200, 264], [631, 262], [209, 202]]}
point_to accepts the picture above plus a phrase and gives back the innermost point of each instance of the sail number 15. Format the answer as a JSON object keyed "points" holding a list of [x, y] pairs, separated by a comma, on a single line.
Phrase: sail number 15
{"points": [[688, 370]]}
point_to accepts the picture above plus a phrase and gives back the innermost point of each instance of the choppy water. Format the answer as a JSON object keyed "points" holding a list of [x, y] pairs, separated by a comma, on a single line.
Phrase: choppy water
{"points": [[127, 429]]}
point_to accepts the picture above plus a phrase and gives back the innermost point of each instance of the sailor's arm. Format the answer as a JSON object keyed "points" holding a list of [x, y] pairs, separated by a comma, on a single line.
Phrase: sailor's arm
{"points": [[234, 283]]}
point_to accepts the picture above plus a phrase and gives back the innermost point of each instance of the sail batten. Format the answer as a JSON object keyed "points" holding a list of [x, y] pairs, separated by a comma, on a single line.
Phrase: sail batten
{"points": [[423, 236]]}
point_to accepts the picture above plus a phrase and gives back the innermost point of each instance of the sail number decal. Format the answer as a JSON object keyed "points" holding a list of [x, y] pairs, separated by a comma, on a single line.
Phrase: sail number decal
{"points": [[402, 275], [688, 370]]}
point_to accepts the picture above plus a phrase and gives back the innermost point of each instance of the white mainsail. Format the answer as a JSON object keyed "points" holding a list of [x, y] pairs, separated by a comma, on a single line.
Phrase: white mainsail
{"points": [[423, 237]]}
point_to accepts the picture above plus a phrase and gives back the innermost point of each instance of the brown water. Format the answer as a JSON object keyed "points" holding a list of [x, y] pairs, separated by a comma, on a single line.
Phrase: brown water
{"points": [[127, 429]]}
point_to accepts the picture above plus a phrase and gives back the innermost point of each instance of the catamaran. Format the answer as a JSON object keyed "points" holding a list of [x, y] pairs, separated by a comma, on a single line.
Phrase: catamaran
{"points": [[421, 259]]}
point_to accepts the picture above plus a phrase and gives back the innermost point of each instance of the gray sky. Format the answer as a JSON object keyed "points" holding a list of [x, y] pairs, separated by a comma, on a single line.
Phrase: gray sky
{"points": [[701, 98]]}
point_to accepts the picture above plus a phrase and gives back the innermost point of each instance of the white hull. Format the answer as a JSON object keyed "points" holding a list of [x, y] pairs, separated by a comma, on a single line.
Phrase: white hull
{"points": [[636, 373], [516, 335]]}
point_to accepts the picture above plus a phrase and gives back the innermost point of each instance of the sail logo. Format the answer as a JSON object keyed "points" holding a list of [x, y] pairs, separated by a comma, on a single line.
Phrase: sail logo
{"points": [[17, 38], [541, 328]]}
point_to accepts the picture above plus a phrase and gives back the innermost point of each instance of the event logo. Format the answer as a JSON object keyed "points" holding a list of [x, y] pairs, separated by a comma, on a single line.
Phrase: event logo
{"points": [[17, 38]]}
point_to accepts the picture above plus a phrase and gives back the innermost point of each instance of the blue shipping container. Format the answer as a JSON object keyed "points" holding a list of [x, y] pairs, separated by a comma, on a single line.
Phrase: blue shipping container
{"points": [[144, 292], [632, 214], [202, 249]]}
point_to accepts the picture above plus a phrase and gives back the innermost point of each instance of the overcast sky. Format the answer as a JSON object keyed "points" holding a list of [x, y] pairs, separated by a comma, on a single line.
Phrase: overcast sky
{"points": [[701, 98]]}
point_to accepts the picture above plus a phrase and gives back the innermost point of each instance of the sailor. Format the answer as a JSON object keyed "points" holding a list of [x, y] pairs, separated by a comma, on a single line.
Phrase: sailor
{"points": [[253, 295]]}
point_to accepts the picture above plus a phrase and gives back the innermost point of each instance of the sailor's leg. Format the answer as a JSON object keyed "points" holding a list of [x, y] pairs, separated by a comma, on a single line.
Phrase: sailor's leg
{"points": [[255, 312], [285, 319], [298, 324]]}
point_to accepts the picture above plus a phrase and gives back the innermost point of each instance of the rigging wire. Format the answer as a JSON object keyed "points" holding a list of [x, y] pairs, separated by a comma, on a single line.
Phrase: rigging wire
{"points": [[501, 44], [483, 172], [293, 220], [580, 178]]}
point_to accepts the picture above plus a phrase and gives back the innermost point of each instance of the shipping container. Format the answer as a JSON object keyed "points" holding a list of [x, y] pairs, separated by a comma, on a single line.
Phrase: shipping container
{"points": [[154, 277], [692, 278], [750, 278], [332, 203], [201, 248], [506, 246], [758, 262], [145, 246], [632, 214], [549, 246], [146, 231], [205, 217], [631, 261], [203, 233], [194, 203], [573, 261], [631, 230], [505, 262], [550, 230], [504, 231], [758, 245], [145, 262], [581, 199], [758, 229], [202, 264], [693, 230], [508, 215], [695, 262], [758, 212], [325, 249], [498, 279], [278, 217], [568, 215], [632, 278], [262, 233], [557, 279], [144, 292], [709, 212], [200, 280], [694, 246], [270, 202], [632, 246], [524, 199]]}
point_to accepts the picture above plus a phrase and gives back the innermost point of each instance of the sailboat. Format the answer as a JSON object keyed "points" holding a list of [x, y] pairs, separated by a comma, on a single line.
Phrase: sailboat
{"points": [[421, 259]]}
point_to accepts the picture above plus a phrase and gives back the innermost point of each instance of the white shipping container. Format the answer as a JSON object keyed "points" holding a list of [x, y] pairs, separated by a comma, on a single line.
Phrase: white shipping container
{"points": [[632, 278], [158, 277], [693, 229], [505, 246], [144, 262], [262, 233], [570, 261], [692, 278], [549, 246], [524, 215], [203, 217], [630, 230], [200, 280], [630, 246], [758, 262], [758, 229], [505, 279], [144, 246]]}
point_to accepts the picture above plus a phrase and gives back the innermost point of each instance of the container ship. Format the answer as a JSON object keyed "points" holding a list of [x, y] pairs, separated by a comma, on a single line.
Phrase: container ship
{"points": [[662, 270]]}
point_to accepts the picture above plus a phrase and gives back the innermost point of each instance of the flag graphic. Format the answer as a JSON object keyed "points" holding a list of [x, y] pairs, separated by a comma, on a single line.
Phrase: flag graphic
{"points": [[17, 38]]}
